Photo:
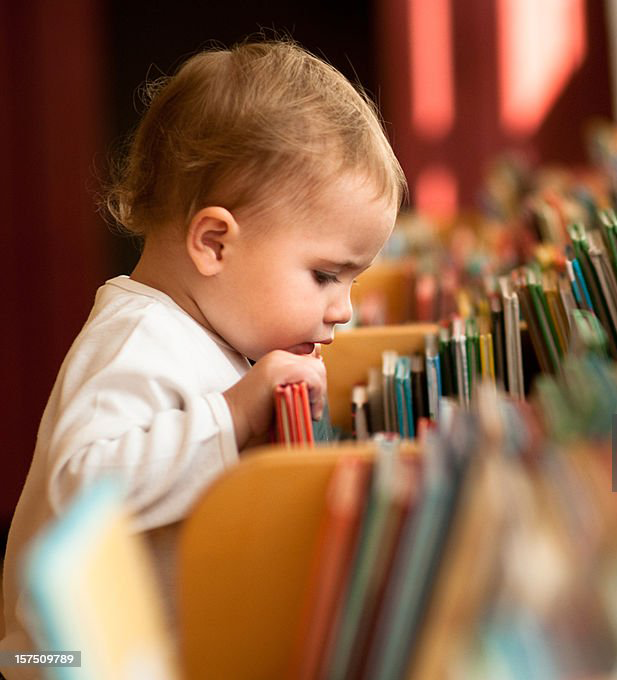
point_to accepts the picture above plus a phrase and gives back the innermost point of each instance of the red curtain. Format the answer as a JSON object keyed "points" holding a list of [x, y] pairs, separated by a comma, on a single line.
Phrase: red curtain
{"points": [[476, 136], [53, 242]]}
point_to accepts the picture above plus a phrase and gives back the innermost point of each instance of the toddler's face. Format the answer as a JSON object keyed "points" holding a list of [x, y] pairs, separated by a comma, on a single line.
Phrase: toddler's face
{"points": [[287, 288]]}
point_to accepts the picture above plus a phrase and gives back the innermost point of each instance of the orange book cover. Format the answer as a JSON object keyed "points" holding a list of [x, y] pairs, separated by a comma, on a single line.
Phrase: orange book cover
{"points": [[404, 500], [304, 408], [291, 417], [297, 414], [346, 498], [280, 416]]}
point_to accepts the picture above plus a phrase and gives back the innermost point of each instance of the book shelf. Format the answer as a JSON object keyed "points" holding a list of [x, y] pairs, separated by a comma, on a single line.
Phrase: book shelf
{"points": [[245, 557], [245, 581], [248, 548]]}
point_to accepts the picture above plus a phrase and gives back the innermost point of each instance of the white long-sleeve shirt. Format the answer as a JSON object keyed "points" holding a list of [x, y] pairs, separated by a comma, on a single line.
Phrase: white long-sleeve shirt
{"points": [[139, 394]]}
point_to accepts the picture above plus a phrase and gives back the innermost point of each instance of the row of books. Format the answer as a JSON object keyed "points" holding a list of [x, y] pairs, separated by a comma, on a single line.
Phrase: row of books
{"points": [[292, 422], [493, 554], [577, 290], [399, 398], [580, 404], [292, 414], [407, 394], [567, 303]]}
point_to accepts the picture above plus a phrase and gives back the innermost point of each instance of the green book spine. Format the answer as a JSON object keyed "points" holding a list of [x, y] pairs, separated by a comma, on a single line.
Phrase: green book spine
{"points": [[547, 335]]}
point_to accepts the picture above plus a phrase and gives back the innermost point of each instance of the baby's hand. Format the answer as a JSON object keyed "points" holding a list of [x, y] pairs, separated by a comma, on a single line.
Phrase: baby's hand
{"points": [[251, 399]]}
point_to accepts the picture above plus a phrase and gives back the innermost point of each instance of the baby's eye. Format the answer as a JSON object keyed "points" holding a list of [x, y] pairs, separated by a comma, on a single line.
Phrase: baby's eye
{"points": [[323, 278]]}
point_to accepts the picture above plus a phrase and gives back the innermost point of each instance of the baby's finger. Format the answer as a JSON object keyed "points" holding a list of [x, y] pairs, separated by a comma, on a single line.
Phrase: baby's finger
{"points": [[317, 394], [316, 400], [317, 352]]}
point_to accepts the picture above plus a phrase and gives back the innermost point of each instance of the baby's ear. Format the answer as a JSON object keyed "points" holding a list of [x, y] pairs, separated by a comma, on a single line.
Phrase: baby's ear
{"points": [[210, 231]]}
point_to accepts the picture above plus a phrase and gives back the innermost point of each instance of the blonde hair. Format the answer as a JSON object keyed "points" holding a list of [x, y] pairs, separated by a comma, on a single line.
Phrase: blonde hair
{"points": [[246, 126]]}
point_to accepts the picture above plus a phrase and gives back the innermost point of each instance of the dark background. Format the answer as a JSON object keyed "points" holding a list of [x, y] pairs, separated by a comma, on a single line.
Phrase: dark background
{"points": [[69, 70]]}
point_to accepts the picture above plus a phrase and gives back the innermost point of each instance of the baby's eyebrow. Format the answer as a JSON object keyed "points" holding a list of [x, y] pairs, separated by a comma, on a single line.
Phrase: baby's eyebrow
{"points": [[346, 265]]}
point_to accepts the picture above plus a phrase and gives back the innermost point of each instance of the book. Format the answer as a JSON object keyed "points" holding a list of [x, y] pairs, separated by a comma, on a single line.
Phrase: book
{"points": [[592, 283], [433, 375], [405, 492], [419, 389], [389, 398], [91, 588], [404, 398], [579, 286], [514, 358], [499, 344], [605, 276], [487, 357], [556, 308], [543, 320], [459, 591], [446, 363], [323, 430], [472, 343], [362, 582], [283, 404], [336, 542], [461, 367], [530, 314], [608, 224], [303, 412], [292, 415], [360, 414], [567, 299], [417, 558]]}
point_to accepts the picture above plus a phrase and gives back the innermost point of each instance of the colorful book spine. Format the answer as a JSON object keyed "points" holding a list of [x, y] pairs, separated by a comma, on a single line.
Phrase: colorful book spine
{"points": [[344, 506], [433, 375]]}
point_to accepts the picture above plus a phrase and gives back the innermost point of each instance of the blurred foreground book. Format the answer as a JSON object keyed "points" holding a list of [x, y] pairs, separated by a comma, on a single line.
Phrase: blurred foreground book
{"points": [[91, 588]]}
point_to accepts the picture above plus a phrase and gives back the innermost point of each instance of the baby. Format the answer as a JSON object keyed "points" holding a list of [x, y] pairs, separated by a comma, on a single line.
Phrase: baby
{"points": [[262, 184]]}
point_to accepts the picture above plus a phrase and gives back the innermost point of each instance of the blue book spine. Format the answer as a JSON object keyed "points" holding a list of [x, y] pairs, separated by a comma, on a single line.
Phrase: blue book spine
{"points": [[403, 397], [401, 408], [409, 405], [578, 274]]}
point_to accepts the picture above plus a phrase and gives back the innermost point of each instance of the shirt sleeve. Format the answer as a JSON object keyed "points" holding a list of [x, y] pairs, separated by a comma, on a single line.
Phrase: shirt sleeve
{"points": [[163, 441]]}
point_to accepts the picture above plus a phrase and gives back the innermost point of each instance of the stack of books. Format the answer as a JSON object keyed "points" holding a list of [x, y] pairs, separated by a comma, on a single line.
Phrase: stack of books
{"points": [[493, 554], [518, 326]]}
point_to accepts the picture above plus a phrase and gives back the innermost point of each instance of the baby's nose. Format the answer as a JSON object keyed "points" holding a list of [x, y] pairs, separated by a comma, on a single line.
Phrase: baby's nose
{"points": [[339, 310]]}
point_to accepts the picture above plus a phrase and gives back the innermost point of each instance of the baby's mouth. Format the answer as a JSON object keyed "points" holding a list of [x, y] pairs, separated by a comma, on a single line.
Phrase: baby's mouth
{"points": [[302, 348]]}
